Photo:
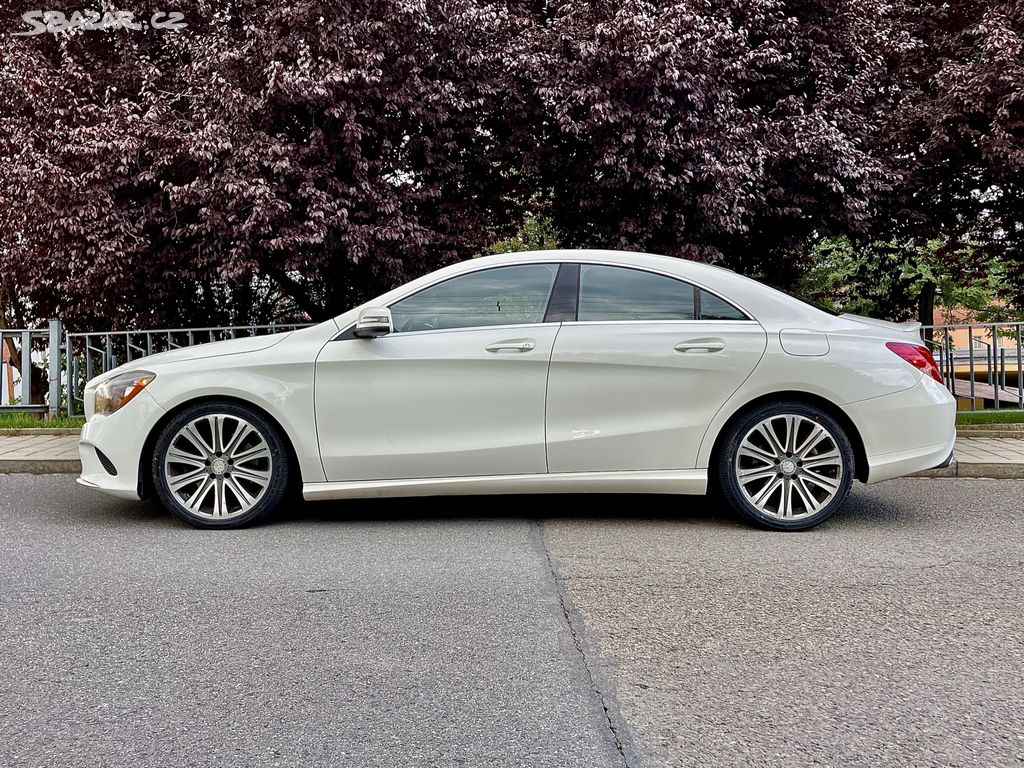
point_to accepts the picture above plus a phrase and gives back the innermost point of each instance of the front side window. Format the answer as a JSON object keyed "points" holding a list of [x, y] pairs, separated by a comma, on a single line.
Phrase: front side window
{"points": [[501, 296], [619, 293]]}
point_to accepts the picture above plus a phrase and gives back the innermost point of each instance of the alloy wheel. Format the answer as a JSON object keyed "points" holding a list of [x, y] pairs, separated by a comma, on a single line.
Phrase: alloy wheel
{"points": [[218, 466], [789, 467]]}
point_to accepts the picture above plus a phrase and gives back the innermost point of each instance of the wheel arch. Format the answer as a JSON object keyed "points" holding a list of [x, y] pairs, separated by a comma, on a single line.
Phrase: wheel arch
{"points": [[146, 489], [849, 428]]}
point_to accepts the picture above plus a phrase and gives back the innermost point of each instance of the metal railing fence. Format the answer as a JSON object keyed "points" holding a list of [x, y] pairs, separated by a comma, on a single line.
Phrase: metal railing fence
{"points": [[33, 354], [91, 354], [982, 363]]}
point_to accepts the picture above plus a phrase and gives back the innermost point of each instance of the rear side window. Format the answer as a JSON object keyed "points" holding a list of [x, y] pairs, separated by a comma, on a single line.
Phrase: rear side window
{"points": [[620, 293], [714, 308], [500, 296]]}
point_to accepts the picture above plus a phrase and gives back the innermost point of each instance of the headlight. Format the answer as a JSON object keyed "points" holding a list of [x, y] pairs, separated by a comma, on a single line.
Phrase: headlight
{"points": [[117, 391]]}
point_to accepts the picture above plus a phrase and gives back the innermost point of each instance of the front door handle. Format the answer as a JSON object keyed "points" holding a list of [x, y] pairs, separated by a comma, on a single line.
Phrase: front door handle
{"points": [[513, 345], [701, 345]]}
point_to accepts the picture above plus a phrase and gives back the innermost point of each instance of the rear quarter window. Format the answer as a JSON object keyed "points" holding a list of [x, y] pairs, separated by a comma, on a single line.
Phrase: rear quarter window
{"points": [[714, 308]]}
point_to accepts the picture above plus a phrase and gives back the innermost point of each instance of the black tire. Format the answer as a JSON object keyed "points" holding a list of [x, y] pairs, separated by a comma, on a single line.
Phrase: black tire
{"points": [[789, 466], [274, 469]]}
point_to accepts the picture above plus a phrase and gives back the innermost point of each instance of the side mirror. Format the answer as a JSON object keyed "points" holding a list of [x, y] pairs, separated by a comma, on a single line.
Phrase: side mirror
{"points": [[373, 322]]}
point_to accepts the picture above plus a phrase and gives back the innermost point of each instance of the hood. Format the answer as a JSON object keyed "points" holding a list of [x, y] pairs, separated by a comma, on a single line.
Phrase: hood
{"points": [[209, 349], [912, 328]]}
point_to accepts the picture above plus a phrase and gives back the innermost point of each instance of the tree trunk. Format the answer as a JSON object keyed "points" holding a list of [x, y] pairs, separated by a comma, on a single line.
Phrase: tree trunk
{"points": [[926, 307]]}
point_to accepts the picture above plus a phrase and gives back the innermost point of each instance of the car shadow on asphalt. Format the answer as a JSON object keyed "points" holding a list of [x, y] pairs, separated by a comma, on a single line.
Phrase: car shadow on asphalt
{"points": [[108, 512], [865, 507], [530, 507]]}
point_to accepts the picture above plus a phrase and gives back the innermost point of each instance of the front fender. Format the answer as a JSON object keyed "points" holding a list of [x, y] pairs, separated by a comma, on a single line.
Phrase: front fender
{"points": [[278, 381]]}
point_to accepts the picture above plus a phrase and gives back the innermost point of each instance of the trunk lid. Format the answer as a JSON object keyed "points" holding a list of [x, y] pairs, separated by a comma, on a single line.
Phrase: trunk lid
{"points": [[911, 328]]}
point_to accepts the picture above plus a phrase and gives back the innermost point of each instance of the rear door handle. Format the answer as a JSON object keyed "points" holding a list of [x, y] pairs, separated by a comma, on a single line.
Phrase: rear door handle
{"points": [[513, 345], [701, 345]]}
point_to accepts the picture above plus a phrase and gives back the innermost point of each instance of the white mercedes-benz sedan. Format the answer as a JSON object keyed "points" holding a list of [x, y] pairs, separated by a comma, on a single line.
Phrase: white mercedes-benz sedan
{"points": [[546, 372]]}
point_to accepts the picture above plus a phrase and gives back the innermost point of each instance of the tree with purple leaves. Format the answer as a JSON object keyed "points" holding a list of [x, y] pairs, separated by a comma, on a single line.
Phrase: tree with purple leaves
{"points": [[734, 129], [277, 160], [956, 139], [272, 162]]}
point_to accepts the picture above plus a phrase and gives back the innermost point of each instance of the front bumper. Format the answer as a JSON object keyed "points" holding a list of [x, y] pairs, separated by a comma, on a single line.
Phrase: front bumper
{"points": [[121, 438], [906, 432]]}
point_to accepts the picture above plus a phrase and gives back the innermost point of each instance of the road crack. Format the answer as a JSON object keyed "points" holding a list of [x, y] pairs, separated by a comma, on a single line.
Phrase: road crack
{"points": [[573, 620]]}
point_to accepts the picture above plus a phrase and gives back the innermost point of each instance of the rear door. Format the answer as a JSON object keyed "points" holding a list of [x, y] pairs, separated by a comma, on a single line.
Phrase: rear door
{"points": [[636, 379]]}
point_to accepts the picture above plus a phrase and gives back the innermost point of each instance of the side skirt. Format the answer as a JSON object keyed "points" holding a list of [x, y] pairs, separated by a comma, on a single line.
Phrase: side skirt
{"points": [[685, 481]]}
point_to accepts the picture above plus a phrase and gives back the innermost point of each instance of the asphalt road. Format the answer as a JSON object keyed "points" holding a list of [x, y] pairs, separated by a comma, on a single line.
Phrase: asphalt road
{"points": [[513, 632]]}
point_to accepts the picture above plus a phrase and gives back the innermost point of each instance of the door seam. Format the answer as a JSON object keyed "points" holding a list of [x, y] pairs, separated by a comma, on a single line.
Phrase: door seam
{"points": [[547, 380]]}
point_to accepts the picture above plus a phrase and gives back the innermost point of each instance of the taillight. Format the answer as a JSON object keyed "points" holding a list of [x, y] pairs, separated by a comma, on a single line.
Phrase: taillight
{"points": [[917, 356]]}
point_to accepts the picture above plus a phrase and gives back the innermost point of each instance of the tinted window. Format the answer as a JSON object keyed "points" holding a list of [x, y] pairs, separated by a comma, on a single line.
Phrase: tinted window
{"points": [[617, 293], [501, 296], [714, 308]]}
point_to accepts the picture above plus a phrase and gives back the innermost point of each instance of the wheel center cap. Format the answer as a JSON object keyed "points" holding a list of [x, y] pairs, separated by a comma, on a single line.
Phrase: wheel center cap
{"points": [[218, 466], [788, 466]]}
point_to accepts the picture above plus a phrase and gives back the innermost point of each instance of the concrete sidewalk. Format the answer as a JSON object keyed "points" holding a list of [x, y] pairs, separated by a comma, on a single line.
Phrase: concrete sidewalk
{"points": [[998, 457], [40, 454], [58, 453]]}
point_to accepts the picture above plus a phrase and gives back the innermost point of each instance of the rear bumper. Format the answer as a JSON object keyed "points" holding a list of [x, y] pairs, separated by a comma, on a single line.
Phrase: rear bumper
{"points": [[946, 463], [902, 463], [906, 432]]}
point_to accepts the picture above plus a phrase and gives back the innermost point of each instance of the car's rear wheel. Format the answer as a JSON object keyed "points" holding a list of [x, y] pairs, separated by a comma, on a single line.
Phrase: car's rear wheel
{"points": [[786, 466], [220, 465]]}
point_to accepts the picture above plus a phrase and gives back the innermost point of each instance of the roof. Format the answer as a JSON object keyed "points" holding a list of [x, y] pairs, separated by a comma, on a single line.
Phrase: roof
{"points": [[761, 302]]}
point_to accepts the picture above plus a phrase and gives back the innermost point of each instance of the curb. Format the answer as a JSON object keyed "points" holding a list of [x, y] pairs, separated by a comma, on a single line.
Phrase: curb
{"points": [[40, 467], [21, 432], [979, 469]]}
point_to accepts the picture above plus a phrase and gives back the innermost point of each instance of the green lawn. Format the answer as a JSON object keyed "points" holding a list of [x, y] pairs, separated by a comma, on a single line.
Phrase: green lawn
{"points": [[963, 418], [30, 420]]}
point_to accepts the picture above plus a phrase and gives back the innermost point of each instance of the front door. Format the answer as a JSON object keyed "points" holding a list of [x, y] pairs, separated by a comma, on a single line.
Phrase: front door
{"points": [[457, 390]]}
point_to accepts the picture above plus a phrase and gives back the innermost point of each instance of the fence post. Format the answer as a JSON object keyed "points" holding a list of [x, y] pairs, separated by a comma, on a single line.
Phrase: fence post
{"points": [[72, 372], [54, 404], [26, 367]]}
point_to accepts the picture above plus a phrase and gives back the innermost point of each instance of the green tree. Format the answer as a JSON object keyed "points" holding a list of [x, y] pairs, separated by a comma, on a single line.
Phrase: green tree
{"points": [[902, 280], [536, 234]]}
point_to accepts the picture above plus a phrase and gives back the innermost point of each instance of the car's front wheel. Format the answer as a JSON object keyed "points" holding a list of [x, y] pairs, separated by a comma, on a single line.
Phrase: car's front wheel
{"points": [[220, 465], [786, 466]]}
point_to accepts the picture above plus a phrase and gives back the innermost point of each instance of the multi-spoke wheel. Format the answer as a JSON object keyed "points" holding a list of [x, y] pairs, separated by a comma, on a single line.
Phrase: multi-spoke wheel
{"points": [[220, 465], [787, 466]]}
